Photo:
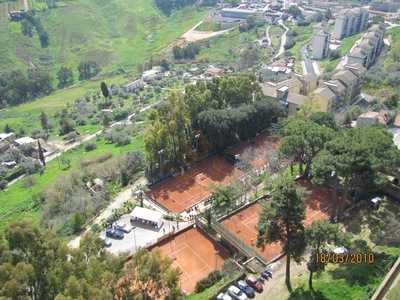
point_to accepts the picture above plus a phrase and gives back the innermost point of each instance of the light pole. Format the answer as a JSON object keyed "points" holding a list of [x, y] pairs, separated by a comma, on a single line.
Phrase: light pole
{"points": [[216, 258], [134, 238], [197, 138], [160, 153]]}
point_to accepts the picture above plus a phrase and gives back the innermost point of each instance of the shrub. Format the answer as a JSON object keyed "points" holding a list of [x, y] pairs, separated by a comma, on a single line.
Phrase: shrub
{"points": [[77, 222], [119, 135], [120, 114], [29, 182], [97, 160], [3, 184], [39, 134], [31, 166], [95, 228], [90, 147], [210, 280]]}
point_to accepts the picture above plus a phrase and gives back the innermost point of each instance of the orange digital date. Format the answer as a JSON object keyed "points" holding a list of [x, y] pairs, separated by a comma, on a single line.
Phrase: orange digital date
{"points": [[345, 258]]}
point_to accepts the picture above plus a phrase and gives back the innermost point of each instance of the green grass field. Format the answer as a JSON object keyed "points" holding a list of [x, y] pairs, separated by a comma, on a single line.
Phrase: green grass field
{"points": [[226, 48], [18, 202], [275, 33], [116, 34], [303, 36]]}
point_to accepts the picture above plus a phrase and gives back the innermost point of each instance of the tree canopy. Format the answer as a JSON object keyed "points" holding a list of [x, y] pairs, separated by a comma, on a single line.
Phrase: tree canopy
{"points": [[282, 219], [34, 264], [357, 156], [302, 140], [319, 236], [210, 115]]}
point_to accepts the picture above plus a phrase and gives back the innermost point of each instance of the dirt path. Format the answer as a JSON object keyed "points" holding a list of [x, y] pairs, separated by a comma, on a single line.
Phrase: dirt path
{"points": [[268, 35], [283, 40], [192, 35]]}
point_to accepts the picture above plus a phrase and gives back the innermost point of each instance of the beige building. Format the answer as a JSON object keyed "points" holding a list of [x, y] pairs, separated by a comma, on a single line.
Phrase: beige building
{"points": [[351, 81], [372, 118], [294, 102], [324, 98]]}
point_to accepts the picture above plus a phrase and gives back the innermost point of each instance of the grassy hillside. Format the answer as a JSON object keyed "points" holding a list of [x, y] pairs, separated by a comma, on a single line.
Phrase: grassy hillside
{"points": [[111, 32], [115, 33], [20, 202]]}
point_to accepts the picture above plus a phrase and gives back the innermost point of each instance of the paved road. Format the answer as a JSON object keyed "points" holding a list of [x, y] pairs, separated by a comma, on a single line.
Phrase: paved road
{"points": [[275, 288], [308, 65]]}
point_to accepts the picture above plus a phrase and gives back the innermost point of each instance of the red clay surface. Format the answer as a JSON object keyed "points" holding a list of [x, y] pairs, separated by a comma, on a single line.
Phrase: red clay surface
{"points": [[318, 202], [255, 151], [183, 191], [195, 255], [244, 223]]}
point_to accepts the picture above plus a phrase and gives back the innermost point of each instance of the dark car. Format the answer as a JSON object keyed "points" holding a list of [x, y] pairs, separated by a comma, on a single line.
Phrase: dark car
{"points": [[248, 290], [266, 274], [114, 234], [254, 283]]}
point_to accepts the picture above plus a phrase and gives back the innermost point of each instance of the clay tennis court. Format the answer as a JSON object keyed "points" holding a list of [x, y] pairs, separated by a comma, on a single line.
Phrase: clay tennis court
{"points": [[194, 186], [244, 223], [195, 254], [318, 202], [183, 191], [255, 151]]}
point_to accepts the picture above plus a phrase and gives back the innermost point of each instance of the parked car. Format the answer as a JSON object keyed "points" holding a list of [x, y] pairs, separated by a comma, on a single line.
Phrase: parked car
{"points": [[236, 293], [222, 296], [126, 228], [245, 288], [266, 274], [106, 241], [254, 283], [114, 234]]}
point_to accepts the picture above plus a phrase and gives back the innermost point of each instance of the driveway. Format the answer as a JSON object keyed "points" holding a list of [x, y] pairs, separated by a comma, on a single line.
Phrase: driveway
{"points": [[118, 202], [275, 288]]}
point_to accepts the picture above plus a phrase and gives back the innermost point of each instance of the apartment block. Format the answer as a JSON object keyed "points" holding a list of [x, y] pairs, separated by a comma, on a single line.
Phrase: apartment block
{"points": [[320, 43], [352, 21]]}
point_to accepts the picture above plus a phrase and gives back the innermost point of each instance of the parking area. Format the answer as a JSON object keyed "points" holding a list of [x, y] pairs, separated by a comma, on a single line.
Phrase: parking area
{"points": [[195, 254], [141, 236]]}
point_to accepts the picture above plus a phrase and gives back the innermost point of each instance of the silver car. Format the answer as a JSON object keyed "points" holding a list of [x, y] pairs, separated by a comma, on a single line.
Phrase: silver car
{"points": [[236, 293]]}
